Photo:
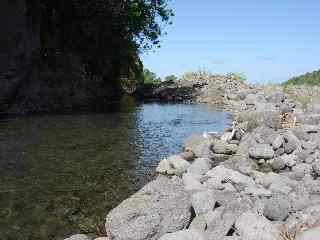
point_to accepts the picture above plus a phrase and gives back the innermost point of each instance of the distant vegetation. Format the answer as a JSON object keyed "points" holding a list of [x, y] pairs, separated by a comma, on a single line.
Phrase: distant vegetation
{"points": [[150, 78], [237, 76], [312, 79]]}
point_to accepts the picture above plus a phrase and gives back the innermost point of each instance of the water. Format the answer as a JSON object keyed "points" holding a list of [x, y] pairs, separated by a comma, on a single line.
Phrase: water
{"points": [[61, 174]]}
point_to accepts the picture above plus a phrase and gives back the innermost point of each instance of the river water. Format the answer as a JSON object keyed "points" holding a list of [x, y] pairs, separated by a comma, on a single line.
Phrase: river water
{"points": [[61, 174]]}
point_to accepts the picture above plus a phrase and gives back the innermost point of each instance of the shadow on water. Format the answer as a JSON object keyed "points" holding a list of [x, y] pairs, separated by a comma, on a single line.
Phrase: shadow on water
{"points": [[61, 174]]}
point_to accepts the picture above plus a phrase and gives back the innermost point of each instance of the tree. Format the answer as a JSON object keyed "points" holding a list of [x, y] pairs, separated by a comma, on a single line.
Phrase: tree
{"points": [[171, 78], [150, 78], [107, 35]]}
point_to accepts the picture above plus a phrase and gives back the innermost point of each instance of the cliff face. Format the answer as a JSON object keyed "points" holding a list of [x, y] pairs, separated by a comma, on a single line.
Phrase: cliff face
{"points": [[19, 44]]}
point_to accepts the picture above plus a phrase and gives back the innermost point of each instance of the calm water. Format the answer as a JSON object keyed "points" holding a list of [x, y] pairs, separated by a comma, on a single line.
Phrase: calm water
{"points": [[61, 174]]}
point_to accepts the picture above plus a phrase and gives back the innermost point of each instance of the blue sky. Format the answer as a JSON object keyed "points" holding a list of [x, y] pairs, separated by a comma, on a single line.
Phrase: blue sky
{"points": [[267, 40]]}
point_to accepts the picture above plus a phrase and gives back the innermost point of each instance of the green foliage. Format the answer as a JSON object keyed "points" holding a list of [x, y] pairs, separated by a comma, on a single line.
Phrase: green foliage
{"points": [[312, 79], [150, 78], [171, 78], [106, 35]]}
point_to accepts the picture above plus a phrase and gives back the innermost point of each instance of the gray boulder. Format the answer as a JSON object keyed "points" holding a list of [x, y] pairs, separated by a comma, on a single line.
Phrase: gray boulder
{"points": [[310, 234], [252, 226], [203, 202], [184, 235], [178, 165], [161, 207], [261, 151], [222, 147], [200, 146], [200, 166], [277, 208], [277, 142], [278, 164], [78, 237], [192, 182], [188, 155]]}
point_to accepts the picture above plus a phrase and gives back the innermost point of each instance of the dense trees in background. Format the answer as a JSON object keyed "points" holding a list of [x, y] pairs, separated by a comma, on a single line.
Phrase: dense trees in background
{"points": [[312, 79], [95, 44]]}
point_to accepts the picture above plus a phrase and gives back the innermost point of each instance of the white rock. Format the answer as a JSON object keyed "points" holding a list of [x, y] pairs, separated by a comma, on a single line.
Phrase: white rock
{"points": [[183, 235], [203, 202], [178, 164], [221, 174], [192, 182], [163, 166], [257, 192], [261, 151], [78, 237], [252, 226], [277, 142], [199, 166]]}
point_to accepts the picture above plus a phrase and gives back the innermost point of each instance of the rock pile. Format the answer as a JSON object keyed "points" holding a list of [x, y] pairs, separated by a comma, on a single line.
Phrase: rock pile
{"points": [[257, 181]]}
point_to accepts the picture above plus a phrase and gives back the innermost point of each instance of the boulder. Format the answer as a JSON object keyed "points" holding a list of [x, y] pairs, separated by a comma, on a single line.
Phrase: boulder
{"points": [[192, 182], [261, 151], [200, 166], [220, 175], [277, 142], [309, 234], [289, 160], [178, 165], [221, 147], [221, 221], [161, 207], [184, 235], [278, 164], [163, 167], [188, 155], [199, 223], [252, 226], [200, 146], [301, 170], [203, 202], [277, 208], [78, 237]]}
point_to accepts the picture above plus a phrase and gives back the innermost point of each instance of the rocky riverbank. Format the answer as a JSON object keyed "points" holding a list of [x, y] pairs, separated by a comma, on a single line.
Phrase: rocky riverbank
{"points": [[259, 180]]}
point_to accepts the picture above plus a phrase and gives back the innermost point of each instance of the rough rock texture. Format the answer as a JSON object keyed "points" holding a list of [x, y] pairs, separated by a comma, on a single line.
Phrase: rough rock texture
{"points": [[78, 237], [261, 151], [251, 226], [161, 207]]}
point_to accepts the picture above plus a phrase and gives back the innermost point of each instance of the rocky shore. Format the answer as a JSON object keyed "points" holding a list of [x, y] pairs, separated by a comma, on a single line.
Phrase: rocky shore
{"points": [[259, 180]]}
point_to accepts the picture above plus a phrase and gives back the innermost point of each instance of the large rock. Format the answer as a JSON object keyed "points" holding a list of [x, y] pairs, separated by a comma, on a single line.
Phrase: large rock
{"points": [[277, 208], [184, 235], [200, 166], [258, 118], [203, 202], [221, 175], [221, 147], [178, 165], [78, 237], [252, 226], [200, 146], [161, 207], [261, 151]]}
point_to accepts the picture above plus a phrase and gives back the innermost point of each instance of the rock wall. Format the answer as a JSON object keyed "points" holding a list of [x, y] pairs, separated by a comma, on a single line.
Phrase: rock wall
{"points": [[19, 44]]}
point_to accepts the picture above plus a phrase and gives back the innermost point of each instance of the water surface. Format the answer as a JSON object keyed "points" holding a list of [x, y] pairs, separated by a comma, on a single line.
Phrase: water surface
{"points": [[61, 174]]}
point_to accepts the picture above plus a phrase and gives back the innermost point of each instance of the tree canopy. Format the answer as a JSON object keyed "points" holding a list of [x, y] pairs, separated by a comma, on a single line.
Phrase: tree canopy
{"points": [[105, 36], [312, 78]]}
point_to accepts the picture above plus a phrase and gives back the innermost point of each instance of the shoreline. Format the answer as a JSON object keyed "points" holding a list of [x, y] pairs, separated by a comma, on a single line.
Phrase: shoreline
{"points": [[264, 170]]}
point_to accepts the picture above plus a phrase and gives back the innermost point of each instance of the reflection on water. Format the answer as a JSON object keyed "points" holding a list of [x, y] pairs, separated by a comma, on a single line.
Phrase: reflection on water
{"points": [[61, 174]]}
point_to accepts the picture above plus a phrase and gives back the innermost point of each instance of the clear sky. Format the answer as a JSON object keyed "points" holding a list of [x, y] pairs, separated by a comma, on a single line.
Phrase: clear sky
{"points": [[267, 40]]}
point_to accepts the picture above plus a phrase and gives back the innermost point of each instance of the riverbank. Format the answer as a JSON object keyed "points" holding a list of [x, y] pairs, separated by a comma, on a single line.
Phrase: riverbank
{"points": [[258, 180]]}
